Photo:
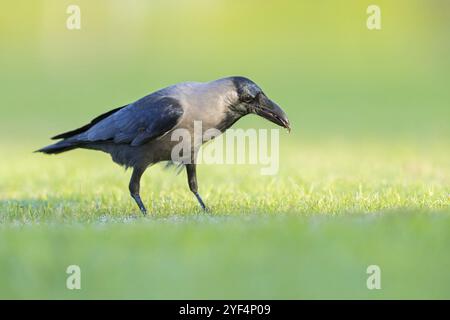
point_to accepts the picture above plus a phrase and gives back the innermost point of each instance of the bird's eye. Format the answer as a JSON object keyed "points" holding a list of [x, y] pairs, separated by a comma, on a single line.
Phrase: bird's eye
{"points": [[248, 98]]}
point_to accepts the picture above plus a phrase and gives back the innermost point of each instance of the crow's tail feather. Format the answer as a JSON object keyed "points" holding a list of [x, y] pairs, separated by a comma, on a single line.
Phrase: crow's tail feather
{"points": [[59, 147]]}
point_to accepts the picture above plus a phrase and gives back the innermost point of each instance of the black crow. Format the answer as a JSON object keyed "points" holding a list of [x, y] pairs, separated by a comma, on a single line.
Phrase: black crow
{"points": [[138, 135]]}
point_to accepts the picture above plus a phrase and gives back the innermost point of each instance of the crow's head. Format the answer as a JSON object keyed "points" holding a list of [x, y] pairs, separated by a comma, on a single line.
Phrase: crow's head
{"points": [[253, 100]]}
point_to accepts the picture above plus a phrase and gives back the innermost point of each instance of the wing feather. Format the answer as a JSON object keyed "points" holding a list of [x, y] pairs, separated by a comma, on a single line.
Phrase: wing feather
{"points": [[139, 122]]}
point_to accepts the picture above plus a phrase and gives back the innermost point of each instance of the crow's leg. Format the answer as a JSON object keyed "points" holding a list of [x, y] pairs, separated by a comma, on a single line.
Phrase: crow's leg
{"points": [[134, 188], [192, 180]]}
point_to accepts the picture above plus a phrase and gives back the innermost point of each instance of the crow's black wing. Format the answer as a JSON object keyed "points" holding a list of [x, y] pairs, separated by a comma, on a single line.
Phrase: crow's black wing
{"points": [[139, 122]]}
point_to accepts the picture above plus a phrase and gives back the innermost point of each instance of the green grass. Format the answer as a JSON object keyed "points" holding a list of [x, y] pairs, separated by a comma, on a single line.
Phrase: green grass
{"points": [[308, 232]]}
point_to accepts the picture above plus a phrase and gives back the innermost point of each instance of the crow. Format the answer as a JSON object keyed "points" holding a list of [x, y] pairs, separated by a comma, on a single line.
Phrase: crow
{"points": [[137, 135]]}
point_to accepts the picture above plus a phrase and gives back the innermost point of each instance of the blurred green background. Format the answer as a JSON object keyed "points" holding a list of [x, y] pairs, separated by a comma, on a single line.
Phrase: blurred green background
{"points": [[318, 60], [364, 175]]}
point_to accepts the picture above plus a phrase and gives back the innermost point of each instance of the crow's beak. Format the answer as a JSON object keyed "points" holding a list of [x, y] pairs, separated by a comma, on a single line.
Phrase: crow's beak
{"points": [[272, 112]]}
